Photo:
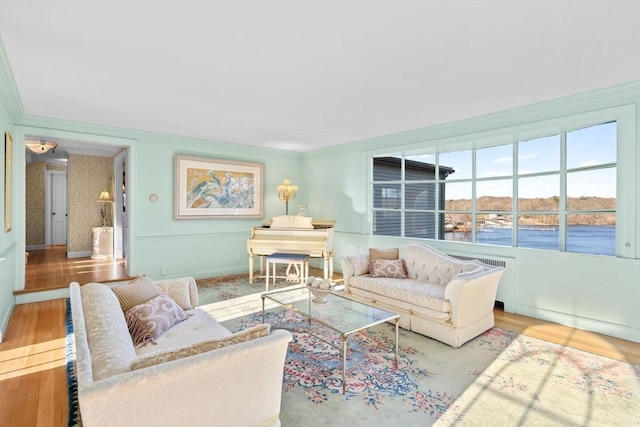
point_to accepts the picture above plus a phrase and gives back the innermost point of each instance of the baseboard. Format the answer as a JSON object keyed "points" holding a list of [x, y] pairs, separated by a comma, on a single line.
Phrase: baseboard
{"points": [[28, 297], [83, 254], [35, 247]]}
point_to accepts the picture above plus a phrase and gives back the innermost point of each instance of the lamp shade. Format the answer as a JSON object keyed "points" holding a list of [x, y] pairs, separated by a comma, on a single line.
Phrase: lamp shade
{"points": [[105, 197], [41, 146]]}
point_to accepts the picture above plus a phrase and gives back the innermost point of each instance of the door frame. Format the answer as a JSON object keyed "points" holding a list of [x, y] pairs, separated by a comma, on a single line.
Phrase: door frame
{"points": [[47, 204]]}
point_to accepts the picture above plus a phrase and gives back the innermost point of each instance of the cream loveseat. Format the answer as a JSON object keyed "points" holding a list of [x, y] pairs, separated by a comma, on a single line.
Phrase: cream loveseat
{"points": [[435, 295], [173, 380]]}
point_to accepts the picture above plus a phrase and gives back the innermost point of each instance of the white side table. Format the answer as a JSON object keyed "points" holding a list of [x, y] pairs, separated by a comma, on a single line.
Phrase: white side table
{"points": [[102, 243]]}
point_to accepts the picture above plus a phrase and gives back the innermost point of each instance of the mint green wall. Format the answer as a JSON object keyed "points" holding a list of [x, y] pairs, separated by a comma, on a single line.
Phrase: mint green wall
{"points": [[591, 292], [10, 109]]}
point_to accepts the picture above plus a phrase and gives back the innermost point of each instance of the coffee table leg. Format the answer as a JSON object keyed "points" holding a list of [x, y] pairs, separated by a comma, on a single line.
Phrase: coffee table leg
{"points": [[397, 323], [345, 338], [263, 312]]}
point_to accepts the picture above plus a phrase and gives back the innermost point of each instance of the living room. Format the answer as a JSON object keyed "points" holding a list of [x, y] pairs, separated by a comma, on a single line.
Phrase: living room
{"points": [[598, 84]]}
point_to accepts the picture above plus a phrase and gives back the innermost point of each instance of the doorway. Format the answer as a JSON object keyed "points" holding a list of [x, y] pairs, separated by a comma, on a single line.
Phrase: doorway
{"points": [[56, 208]]}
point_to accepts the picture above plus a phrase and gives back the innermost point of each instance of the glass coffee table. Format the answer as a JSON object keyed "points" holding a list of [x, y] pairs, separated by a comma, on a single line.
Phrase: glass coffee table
{"points": [[340, 314]]}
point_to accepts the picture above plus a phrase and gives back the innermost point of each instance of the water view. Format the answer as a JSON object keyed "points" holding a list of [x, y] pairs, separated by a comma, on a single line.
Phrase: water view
{"points": [[590, 239]]}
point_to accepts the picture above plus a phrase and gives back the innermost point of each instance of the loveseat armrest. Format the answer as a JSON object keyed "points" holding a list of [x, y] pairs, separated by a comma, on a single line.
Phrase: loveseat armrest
{"points": [[472, 294], [354, 265]]}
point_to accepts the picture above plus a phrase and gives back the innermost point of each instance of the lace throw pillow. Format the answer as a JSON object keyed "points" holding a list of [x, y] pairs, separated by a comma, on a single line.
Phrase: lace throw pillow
{"points": [[393, 268], [149, 320]]}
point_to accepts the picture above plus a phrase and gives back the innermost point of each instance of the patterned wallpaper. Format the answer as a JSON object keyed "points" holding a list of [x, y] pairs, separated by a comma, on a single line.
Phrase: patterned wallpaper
{"points": [[87, 177], [35, 203]]}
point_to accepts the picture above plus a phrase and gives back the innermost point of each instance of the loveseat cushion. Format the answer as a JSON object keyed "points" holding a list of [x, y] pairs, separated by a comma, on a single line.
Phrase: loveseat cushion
{"points": [[416, 292], [112, 349]]}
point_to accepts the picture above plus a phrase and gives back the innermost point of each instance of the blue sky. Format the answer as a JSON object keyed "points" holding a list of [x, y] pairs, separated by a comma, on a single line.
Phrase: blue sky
{"points": [[595, 145]]}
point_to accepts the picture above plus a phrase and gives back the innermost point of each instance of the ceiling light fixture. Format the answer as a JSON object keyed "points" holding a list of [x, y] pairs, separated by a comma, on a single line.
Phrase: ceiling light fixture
{"points": [[41, 146]]}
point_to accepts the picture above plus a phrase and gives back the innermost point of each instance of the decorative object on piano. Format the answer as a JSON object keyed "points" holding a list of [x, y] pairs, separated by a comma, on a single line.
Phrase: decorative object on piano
{"points": [[105, 199], [216, 188], [319, 288], [286, 192], [302, 210]]}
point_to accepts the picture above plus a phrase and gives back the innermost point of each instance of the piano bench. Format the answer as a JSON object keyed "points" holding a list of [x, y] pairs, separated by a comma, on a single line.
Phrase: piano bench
{"points": [[297, 268]]}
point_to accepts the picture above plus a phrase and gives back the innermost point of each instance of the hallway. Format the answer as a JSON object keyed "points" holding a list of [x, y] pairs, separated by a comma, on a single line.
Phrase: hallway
{"points": [[51, 269]]}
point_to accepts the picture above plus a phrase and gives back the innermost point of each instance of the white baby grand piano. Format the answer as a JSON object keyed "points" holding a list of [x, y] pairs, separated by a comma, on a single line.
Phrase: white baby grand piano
{"points": [[293, 234]]}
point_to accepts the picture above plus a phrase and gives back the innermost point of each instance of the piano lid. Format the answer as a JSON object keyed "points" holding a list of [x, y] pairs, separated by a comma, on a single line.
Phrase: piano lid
{"points": [[298, 222]]}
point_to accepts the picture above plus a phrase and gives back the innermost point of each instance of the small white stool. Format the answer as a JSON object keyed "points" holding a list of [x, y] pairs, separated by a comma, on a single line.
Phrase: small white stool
{"points": [[297, 268]]}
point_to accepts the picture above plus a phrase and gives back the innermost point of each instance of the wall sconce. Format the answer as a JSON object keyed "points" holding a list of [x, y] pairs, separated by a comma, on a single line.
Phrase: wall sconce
{"points": [[286, 192], [105, 198], [41, 146]]}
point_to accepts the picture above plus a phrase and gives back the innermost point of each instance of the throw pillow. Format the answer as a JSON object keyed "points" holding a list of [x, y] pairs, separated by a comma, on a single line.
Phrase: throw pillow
{"points": [[149, 320], [391, 253], [393, 268], [203, 346], [139, 291]]}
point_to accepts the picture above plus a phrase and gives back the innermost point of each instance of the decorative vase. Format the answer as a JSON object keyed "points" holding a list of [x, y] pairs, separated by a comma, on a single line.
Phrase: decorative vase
{"points": [[302, 210], [319, 288]]}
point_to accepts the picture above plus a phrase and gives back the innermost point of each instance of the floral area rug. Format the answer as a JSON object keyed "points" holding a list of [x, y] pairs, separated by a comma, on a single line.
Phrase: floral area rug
{"points": [[224, 288], [499, 378]]}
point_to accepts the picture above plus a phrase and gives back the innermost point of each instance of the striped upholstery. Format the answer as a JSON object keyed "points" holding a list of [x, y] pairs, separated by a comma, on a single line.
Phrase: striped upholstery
{"points": [[135, 293]]}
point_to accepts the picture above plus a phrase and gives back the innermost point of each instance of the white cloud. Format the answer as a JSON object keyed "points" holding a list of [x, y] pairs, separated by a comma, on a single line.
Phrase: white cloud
{"points": [[528, 156], [504, 160]]}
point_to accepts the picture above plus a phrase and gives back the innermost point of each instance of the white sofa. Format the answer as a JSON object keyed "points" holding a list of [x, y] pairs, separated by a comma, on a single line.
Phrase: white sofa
{"points": [[442, 297], [239, 384]]}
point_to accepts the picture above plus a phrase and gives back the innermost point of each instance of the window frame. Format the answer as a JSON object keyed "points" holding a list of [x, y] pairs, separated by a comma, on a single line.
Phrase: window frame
{"points": [[625, 120]]}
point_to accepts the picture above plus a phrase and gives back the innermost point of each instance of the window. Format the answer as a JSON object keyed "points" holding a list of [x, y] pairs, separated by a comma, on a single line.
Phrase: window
{"points": [[552, 192]]}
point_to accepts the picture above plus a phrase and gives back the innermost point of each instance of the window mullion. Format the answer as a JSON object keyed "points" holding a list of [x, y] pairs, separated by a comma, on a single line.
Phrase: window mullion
{"points": [[562, 238]]}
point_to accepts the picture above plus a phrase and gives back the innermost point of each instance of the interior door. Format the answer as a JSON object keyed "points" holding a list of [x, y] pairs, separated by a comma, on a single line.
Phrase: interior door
{"points": [[58, 209]]}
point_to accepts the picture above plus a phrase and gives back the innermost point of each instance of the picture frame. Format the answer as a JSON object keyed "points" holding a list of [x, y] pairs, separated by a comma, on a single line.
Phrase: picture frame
{"points": [[217, 188], [8, 180]]}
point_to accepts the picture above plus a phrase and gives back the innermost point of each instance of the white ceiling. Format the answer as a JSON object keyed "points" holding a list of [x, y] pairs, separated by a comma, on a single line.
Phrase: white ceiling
{"points": [[300, 75]]}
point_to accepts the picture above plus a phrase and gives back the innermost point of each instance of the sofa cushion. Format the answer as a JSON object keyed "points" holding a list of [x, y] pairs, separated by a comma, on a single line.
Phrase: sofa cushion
{"points": [[136, 292], [376, 253], [254, 332], [200, 326], [112, 349], [388, 268], [417, 292], [149, 320]]}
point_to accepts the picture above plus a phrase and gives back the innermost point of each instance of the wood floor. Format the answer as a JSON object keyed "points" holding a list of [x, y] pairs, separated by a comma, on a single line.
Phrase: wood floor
{"points": [[32, 359], [51, 269]]}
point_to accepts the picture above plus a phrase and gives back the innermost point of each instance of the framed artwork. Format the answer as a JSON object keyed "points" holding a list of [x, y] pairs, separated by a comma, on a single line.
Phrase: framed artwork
{"points": [[216, 188], [8, 180]]}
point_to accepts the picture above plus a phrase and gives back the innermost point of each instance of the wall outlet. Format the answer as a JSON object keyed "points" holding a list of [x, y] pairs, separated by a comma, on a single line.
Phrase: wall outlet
{"points": [[163, 271], [238, 257]]}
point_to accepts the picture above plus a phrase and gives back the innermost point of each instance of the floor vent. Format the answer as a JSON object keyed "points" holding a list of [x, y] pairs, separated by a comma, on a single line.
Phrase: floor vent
{"points": [[493, 262]]}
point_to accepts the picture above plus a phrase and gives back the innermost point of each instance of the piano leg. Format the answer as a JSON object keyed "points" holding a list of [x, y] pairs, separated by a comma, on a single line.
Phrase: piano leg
{"points": [[328, 266], [250, 268]]}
